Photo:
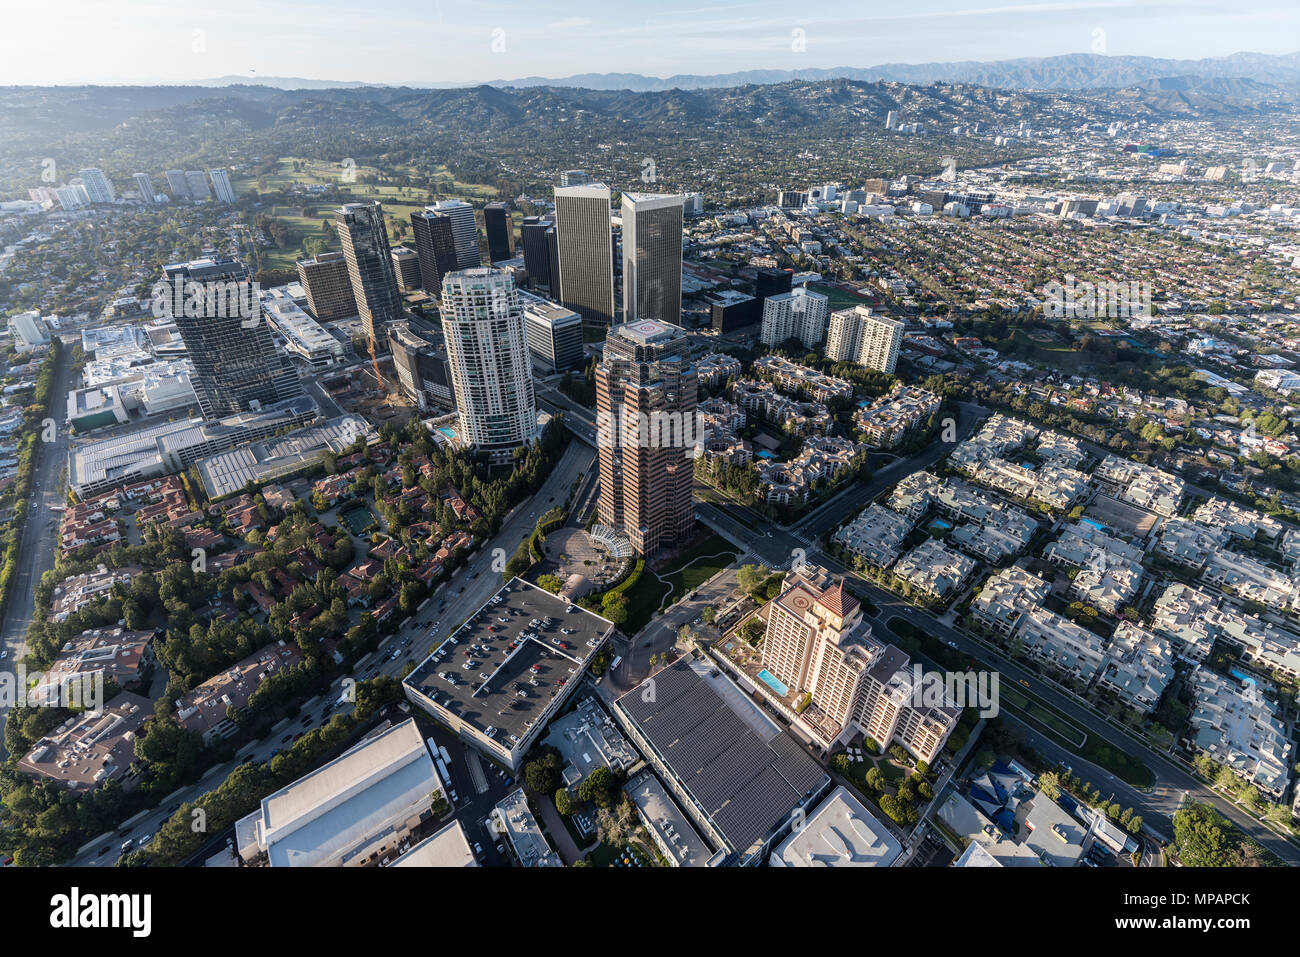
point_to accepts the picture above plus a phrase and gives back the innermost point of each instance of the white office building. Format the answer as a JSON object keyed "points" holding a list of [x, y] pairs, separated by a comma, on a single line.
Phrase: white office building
{"points": [[221, 185]]}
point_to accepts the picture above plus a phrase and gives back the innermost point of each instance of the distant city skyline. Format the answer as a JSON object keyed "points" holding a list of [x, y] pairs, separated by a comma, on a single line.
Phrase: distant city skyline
{"points": [[345, 41]]}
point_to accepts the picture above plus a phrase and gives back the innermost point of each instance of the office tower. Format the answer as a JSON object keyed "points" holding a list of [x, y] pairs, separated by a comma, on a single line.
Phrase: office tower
{"points": [[891, 119], [798, 314], [585, 248], [221, 186], [98, 186], [176, 183], [329, 290], [145, 185], [553, 258], [819, 646], [771, 282], [370, 268], [792, 198], [406, 266], [858, 335], [423, 371], [496, 223], [435, 247], [554, 334], [532, 236], [236, 365], [645, 403], [652, 257], [464, 232], [197, 184], [487, 350], [693, 204], [574, 177]]}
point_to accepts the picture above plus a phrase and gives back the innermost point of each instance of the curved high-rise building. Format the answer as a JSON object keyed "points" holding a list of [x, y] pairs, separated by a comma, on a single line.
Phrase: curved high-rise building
{"points": [[370, 268], [487, 351]]}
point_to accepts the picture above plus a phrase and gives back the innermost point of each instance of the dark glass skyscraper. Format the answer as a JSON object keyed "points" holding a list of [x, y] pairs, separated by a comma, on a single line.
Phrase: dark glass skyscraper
{"points": [[370, 268], [496, 223], [236, 366], [435, 246], [537, 263]]}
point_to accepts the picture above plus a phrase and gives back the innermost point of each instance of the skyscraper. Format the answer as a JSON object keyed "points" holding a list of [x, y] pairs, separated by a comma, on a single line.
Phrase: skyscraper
{"points": [[532, 236], [574, 177], [858, 335], [496, 223], [329, 290], [98, 186], [798, 314], [646, 394], [370, 268], [586, 252], [652, 257], [180, 189], [221, 185], [487, 351], [463, 230], [197, 185], [435, 247], [145, 185], [236, 365]]}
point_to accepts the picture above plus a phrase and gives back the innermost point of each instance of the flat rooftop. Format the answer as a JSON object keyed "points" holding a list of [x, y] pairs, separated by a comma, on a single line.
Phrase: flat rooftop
{"points": [[744, 783], [668, 821], [448, 847], [840, 833], [526, 659]]}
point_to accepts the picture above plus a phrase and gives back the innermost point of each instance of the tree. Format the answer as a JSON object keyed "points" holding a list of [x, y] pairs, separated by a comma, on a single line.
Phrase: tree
{"points": [[1201, 839], [563, 803], [597, 787]]}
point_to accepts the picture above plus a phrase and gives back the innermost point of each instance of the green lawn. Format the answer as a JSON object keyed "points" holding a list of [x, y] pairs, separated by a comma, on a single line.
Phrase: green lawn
{"points": [[688, 571]]}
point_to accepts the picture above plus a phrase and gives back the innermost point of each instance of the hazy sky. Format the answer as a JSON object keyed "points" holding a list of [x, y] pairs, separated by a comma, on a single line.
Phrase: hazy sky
{"points": [[449, 42]]}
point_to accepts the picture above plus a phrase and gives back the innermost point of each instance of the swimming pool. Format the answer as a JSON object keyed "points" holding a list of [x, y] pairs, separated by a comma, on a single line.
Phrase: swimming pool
{"points": [[940, 524], [766, 455], [447, 431], [770, 680], [1240, 676], [1097, 525]]}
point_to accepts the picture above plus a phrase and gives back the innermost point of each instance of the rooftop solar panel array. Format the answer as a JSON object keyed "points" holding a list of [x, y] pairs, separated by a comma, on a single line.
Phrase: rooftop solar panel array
{"points": [[746, 785]]}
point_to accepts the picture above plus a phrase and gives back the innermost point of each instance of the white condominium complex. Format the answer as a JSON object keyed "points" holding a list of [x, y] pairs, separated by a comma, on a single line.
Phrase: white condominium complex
{"points": [[858, 335], [487, 352], [797, 314], [145, 185]]}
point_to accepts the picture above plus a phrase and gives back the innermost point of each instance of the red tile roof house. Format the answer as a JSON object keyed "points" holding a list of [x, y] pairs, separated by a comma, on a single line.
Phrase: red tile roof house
{"points": [[256, 592], [204, 709]]}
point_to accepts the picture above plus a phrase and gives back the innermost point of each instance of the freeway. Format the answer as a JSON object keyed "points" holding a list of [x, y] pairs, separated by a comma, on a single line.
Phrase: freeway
{"points": [[40, 526]]}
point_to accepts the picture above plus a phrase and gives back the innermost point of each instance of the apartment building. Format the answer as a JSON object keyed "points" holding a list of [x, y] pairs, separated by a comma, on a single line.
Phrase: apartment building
{"points": [[796, 378], [1142, 485], [875, 536], [1239, 728], [859, 335], [887, 421], [798, 314], [1059, 642], [935, 570], [1007, 598], [1138, 667], [821, 461], [792, 416], [1109, 570], [818, 644]]}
